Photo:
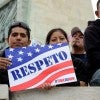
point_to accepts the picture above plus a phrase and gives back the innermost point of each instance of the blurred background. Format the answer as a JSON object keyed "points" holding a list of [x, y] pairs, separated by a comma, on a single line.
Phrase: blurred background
{"points": [[43, 15]]}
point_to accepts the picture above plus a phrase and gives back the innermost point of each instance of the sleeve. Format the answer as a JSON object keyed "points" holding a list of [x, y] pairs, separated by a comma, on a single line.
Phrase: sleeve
{"points": [[4, 77], [92, 45], [4, 74], [80, 70]]}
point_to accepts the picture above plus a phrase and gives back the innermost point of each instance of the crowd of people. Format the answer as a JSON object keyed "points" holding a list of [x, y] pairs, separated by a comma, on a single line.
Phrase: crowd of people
{"points": [[85, 50]]}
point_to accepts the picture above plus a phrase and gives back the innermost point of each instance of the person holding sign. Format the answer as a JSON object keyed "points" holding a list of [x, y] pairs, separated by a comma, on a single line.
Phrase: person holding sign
{"points": [[18, 36], [92, 46], [58, 35]]}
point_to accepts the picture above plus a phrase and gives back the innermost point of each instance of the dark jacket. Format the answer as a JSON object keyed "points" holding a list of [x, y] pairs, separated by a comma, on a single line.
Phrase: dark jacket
{"points": [[92, 46], [83, 57], [4, 74]]}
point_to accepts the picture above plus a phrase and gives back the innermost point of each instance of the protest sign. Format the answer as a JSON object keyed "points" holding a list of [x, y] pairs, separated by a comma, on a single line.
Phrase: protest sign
{"points": [[33, 66]]}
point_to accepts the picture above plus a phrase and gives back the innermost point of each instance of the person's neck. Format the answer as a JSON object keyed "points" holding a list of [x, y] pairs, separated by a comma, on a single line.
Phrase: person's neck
{"points": [[78, 51]]}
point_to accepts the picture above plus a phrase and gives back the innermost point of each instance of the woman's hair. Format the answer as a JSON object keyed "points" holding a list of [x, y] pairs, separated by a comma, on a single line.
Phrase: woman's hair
{"points": [[55, 30]]}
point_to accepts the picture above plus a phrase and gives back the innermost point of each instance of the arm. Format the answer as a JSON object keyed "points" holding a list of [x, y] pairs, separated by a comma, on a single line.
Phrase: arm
{"points": [[81, 71], [92, 45], [4, 62]]}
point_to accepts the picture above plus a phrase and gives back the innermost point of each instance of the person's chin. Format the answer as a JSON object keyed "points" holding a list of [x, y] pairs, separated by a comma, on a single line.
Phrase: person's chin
{"points": [[16, 46]]}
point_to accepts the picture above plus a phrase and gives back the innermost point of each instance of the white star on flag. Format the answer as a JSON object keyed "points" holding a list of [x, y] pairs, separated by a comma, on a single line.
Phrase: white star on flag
{"points": [[19, 59], [29, 54], [42, 45], [59, 44], [11, 49], [37, 50], [50, 46], [20, 52], [10, 56]]}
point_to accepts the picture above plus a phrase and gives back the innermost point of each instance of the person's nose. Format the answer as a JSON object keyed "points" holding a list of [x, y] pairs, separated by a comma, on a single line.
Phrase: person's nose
{"points": [[18, 37], [77, 37], [59, 41]]}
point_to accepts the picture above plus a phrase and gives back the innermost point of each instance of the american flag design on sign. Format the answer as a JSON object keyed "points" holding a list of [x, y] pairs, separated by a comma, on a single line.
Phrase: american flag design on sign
{"points": [[33, 66]]}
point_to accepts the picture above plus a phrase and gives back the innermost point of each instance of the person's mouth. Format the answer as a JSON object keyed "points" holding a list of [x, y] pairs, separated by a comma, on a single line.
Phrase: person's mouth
{"points": [[18, 45]]}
